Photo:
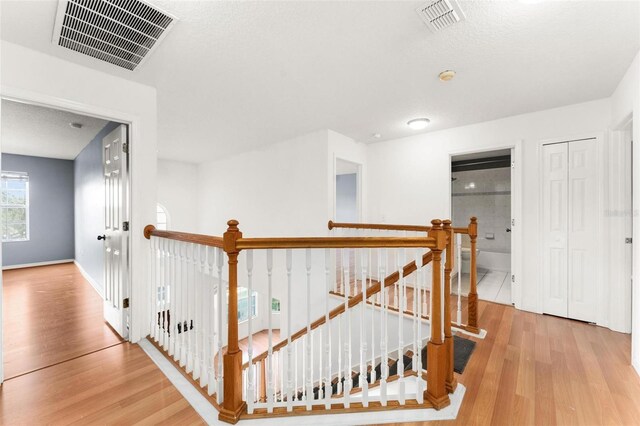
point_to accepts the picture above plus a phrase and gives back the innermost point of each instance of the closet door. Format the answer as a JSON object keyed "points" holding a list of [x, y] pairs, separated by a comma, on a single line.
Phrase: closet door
{"points": [[555, 218], [583, 226]]}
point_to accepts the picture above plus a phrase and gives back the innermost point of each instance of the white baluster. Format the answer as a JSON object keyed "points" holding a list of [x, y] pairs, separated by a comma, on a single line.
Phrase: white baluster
{"points": [[459, 266], [222, 301], [400, 260], [184, 281], [384, 350], [270, 388], [204, 316], [161, 280], [309, 340], [211, 309], [197, 319], [418, 303], [153, 290], [250, 384], [327, 326], [165, 294], [171, 294], [363, 338], [373, 316], [289, 331], [346, 388]]}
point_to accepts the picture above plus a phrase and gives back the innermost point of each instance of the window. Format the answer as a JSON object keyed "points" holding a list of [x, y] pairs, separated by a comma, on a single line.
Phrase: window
{"points": [[162, 218], [243, 304], [15, 206], [275, 306]]}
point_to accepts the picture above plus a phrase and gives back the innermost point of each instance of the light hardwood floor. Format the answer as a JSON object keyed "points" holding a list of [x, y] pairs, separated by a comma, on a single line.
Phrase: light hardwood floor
{"points": [[541, 370], [51, 314]]}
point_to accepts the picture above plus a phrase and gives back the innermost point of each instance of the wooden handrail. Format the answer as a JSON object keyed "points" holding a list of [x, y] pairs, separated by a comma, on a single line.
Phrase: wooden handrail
{"points": [[205, 240], [335, 242], [381, 226], [390, 280], [390, 227]]}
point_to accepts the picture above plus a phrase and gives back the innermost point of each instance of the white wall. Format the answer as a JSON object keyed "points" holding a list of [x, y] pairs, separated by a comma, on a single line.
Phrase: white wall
{"points": [[43, 79], [415, 171], [625, 103], [178, 193]]}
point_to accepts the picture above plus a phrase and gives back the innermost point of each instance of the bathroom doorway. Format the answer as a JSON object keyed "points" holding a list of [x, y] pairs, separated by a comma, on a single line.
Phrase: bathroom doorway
{"points": [[481, 186]]}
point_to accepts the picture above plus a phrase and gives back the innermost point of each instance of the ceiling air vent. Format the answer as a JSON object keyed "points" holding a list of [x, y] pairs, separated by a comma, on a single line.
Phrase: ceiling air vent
{"points": [[121, 32], [440, 14]]}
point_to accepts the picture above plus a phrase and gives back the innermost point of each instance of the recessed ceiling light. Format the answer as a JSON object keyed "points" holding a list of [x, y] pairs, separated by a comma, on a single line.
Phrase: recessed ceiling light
{"points": [[418, 123], [76, 125], [447, 75], [376, 135]]}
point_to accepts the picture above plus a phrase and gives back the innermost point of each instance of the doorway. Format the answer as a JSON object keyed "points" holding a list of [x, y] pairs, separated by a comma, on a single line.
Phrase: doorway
{"points": [[347, 191], [58, 283], [481, 186]]}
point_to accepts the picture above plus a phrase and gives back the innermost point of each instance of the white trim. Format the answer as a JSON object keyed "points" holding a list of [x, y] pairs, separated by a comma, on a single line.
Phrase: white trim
{"points": [[90, 280], [35, 264]]}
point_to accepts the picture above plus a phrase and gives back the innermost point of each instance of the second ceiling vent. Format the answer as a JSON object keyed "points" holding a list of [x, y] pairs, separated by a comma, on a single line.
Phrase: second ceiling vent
{"points": [[121, 32], [440, 14]]}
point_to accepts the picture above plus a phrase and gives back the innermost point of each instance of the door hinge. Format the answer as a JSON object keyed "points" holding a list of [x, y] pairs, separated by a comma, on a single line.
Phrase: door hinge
{"points": [[628, 240], [125, 226], [125, 303], [125, 148], [513, 222], [513, 278], [513, 164]]}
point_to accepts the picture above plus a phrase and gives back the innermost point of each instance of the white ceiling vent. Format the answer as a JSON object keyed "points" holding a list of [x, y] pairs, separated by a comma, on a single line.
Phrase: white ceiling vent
{"points": [[121, 32], [440, 14]]}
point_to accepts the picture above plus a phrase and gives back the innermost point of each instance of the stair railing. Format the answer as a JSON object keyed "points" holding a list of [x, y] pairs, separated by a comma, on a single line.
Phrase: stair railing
{"points": [[300, 374], [471, 325]]}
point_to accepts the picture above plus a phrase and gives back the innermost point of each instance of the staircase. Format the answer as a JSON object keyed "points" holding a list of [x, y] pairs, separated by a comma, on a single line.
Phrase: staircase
{"points": [[361, 314]]}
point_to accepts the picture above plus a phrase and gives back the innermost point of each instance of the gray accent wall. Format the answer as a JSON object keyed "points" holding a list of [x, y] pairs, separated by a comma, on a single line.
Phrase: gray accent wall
{"points": [[89, 208], [51, 213]]}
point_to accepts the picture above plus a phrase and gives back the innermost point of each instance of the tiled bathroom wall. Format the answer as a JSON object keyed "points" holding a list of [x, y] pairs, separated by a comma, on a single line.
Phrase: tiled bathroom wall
{"points": [[485, 194]]}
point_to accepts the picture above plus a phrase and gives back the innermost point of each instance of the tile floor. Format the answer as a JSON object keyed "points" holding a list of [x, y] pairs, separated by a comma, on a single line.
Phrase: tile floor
{"points": [[494, 286]]}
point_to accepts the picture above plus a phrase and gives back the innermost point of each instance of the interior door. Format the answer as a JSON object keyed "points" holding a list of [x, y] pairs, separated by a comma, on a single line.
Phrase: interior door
{"points": [[555, 202], [116, 235], [583, 223]]}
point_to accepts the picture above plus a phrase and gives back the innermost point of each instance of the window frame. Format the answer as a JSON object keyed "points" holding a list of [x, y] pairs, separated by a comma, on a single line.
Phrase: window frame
{"points": [[5, 174], [166, 215], [256, 301]]}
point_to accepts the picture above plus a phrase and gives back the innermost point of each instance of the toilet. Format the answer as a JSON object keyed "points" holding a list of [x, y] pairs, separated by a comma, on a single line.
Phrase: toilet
{"points": [[465, 253]]}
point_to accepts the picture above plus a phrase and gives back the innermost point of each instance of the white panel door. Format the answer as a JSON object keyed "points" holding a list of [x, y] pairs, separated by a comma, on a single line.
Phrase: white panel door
{"points": [[116, 239], [582, 230], [555, 202]]}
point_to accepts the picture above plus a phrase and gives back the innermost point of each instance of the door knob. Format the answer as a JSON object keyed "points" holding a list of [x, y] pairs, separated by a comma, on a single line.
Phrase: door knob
{"points": [[102, 237], [508, 229]]}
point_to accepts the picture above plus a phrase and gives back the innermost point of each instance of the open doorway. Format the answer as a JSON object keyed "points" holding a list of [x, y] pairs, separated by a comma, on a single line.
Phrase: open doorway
{"points": [[65, 249], [347, 191], [481, 186]]}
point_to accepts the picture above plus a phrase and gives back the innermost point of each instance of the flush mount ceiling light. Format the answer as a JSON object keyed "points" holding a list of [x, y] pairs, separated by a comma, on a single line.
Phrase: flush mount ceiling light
{"points": [[447, 75], [76, 125], [418, 123], [376, 135]]}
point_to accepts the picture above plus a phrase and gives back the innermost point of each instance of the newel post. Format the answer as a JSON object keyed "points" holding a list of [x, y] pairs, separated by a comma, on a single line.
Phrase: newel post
{"points": [[436, 392], [233, 405], [472, 299], [448, 336]]}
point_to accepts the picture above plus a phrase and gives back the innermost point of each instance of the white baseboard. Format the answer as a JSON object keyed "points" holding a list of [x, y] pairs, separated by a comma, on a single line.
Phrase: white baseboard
{"points": [[90, 280], [31, 265]]}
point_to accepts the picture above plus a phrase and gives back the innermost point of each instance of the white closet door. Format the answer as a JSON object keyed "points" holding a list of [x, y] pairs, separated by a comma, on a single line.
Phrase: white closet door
{"points": [[583, 226], [555, 202]]}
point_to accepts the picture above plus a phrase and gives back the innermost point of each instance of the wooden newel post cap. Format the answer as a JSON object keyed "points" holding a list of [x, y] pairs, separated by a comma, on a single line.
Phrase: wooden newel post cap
{"points": [[233, 225], [474, 219], [446, 223], [436, 223], [148, 230], [330, 225]]}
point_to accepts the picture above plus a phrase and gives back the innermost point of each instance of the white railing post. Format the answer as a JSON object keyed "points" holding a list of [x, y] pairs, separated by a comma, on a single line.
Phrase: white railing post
{"points": [[222, 302], [363, 338], [289, 332], [270, 388], [327, 349], [459, 284], [309, 341]]}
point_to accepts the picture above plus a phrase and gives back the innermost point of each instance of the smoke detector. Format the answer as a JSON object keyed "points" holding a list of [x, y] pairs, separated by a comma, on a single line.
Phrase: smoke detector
{"points": [[440, 14], [120, 32]]}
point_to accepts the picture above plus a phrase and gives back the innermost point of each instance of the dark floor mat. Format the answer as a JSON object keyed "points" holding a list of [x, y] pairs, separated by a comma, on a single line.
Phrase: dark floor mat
{"points": [[462, 350]]}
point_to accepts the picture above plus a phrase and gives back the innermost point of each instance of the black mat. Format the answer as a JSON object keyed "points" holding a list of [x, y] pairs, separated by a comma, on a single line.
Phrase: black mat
{"points": [[462, 350]]}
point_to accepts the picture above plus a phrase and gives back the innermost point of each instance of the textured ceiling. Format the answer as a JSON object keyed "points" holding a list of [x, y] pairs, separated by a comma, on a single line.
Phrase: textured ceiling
{"points": [[236, 75], [45, 132]]}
